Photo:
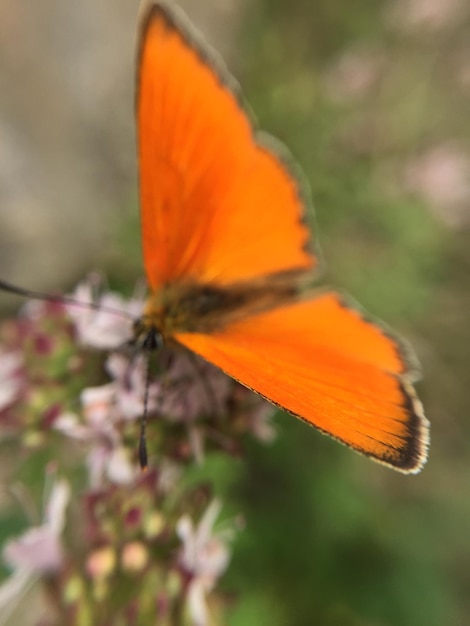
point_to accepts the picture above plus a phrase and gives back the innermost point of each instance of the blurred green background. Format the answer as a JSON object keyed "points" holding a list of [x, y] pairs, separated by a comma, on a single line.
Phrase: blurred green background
{"points": [[372, 98]]}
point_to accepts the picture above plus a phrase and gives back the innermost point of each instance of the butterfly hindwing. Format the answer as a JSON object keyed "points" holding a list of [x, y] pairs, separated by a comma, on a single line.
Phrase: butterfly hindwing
{"points": [[322, 361]]}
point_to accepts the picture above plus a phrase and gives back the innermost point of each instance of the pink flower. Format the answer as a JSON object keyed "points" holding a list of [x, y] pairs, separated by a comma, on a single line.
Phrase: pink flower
{"points": [[187, 389], [203, 557], [109, 324], [11, 381], [38, 551], [192, 387]]}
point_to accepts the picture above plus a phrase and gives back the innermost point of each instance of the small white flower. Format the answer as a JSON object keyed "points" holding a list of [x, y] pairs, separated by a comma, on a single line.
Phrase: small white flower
{"points": [[107, 326], [107, 456], [10, 380], [170, 474], [261, 422], [99, 408], [204, 556], [129, 386], [98, 413], [120, 469]]}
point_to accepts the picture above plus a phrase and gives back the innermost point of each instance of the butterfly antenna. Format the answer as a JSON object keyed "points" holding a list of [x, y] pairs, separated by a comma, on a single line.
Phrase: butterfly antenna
{"points": [[47, 297], [143, 455]]}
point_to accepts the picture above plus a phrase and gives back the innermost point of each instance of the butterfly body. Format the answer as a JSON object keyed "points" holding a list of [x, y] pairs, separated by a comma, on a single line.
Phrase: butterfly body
{"points": [[208, 308], [226, 254]]}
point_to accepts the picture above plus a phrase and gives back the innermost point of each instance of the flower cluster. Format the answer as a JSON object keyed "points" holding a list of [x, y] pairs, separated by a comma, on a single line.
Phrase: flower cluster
{"points": [[127, 545]]}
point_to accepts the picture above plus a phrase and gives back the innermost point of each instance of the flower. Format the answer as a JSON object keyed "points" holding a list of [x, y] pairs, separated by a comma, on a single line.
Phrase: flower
{"points": [[37, 551], [188, 388], [107, 456], [192, 387], [261, 422], [108, 323], [10, 378], [132, 520], [129, 386], [203, 558]]}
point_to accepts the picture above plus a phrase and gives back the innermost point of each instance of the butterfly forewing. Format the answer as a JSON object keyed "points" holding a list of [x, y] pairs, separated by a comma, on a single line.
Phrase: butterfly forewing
{"points": [[217, 206]]}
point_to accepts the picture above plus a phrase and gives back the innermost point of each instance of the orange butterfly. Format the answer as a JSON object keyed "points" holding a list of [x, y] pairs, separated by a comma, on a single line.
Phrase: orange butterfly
{"points": [[226, 251]]}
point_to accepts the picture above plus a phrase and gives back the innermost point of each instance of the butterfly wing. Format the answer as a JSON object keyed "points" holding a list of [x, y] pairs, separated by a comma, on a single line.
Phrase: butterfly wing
{"points": [[324, 362], [217, 206]]}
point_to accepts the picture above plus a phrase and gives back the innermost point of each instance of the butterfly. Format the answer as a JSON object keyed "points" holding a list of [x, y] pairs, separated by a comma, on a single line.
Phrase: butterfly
{"points": [[226, 254]]}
